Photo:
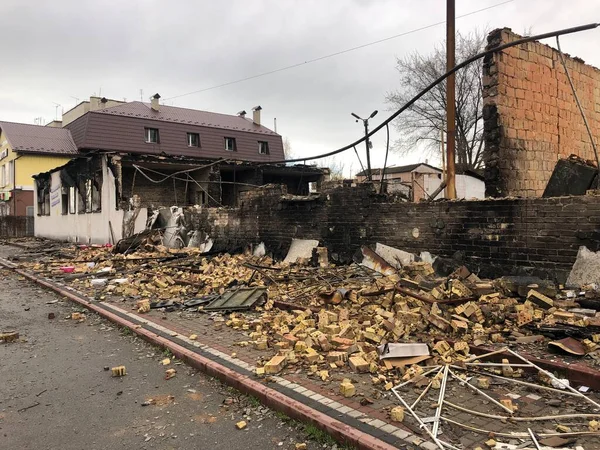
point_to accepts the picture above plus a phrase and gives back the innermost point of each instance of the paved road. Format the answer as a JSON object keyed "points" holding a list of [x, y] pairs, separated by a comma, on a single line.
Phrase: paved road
{"points": [[56, 394]]}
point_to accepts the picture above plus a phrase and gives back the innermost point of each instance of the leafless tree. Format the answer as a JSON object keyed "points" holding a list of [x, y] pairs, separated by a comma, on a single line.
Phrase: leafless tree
{"points": [[287, 148], [335, 166], [423, 123]]}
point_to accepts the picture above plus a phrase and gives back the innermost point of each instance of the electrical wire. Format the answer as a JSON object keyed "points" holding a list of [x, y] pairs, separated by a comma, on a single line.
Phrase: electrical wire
{"points": [[564, 64], [438, 81], [387, 150], [331, 55]]}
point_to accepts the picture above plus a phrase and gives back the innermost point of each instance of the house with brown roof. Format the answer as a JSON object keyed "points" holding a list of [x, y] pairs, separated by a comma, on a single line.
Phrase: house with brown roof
{"points": [[138, 158], [26, 150]]}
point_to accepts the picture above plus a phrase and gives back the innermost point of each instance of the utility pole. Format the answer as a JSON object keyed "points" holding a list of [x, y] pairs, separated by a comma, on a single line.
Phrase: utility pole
{"points": [[367, 141], [450, 102]]}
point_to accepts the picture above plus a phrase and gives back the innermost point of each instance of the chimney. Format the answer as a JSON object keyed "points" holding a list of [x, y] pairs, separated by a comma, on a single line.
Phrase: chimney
{"points": [[154, 102], [242, 114], [256, 115]]}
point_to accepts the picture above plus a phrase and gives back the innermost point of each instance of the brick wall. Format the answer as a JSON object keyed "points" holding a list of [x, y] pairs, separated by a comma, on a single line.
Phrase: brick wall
{"points": [[497, 236], [530, 116]]}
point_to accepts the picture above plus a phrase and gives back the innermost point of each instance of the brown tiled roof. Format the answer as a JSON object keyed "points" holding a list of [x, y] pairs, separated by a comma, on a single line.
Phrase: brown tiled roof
{"points": [[185, 116], [27, 138]]}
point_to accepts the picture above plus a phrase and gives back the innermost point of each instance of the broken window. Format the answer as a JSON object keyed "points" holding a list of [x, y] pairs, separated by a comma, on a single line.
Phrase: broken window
{"points": [[263, 148], [43, 195], [92, 196], [64, 200], [72, 200]]}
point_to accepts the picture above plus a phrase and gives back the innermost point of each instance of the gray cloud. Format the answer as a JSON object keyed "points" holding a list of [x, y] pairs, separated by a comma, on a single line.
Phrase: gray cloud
{"points": [[53, 51]]}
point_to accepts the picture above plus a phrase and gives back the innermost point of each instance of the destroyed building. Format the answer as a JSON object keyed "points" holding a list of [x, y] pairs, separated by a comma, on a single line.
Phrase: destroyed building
{"points": [[136, 156], [531, 119]]}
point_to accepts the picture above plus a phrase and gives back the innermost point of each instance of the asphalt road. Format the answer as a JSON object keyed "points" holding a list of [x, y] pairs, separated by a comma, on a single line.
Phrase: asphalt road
{"points": [[56, 394]]}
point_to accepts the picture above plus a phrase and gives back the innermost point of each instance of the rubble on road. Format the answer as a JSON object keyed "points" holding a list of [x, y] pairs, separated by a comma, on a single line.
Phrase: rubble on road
{"points": [[9, 336], [379, 321]]}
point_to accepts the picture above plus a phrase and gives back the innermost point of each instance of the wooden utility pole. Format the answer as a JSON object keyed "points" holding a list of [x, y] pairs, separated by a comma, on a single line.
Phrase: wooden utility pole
{"points": [[450, 102]]}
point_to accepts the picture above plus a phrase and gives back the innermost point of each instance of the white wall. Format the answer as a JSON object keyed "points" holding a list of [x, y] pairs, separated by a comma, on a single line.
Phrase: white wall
{"points": [[469, 187], [86, 228]]}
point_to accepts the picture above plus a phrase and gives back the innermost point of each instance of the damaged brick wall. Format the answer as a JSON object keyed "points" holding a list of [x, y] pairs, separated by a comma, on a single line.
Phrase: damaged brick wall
{"points": [[530, 116], [497, 237]]}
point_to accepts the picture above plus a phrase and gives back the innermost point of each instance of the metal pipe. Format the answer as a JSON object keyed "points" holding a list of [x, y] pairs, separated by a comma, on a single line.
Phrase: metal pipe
{"points": [[518, 434], [450, 101], [479, 391], [535, 442], [423, 375], [514, 380], [369, 174], [421, 424], [587, 126], [425, 390], [438, 411], [387, 150], [551, 376], [521, 419]]}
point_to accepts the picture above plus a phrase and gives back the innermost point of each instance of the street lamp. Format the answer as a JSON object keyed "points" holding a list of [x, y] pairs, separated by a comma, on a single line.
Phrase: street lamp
{"points": [[368, 144]]}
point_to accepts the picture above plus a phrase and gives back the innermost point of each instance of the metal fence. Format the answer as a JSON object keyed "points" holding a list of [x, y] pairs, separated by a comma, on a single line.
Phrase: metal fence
{"points": [[19, 226]]}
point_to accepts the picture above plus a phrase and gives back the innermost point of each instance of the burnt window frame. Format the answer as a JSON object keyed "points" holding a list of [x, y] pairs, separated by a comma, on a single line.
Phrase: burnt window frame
{"points": [[147, 135], [234, 149], [197, 135], [266, 144]]}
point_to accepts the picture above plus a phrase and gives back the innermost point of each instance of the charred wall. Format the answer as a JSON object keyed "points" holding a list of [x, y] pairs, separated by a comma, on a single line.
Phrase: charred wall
{"points": [[530, 116], [537, 236]]}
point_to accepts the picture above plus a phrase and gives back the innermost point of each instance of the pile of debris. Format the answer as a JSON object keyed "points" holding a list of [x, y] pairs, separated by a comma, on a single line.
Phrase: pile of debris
{"points": [[383, 319]]}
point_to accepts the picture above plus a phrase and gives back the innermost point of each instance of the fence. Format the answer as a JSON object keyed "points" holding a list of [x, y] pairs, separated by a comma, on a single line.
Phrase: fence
{"points": [[19, 226]]}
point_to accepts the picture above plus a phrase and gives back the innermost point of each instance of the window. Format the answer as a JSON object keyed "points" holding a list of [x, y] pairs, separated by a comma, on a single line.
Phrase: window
{"points": [[64, 200], [193, 140], [3, 180], [263, 148], [230, 144], [151, 135], [9, 175], [72, 200]]}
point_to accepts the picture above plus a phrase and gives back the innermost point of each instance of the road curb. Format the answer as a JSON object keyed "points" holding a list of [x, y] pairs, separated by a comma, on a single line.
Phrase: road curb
{"points": [[270, 397]]}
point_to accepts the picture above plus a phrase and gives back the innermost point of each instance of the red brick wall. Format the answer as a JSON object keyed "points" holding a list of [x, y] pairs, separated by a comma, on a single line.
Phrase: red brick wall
{"points": [[530, 116]]}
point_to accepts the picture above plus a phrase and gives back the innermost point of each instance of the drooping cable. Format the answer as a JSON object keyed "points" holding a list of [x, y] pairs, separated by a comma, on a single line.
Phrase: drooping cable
{"points": [[438, 81], [387, 150], [587, 127]]}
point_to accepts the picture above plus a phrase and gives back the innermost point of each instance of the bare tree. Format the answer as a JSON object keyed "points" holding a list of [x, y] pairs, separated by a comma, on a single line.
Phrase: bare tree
{"points": [[423, 123], [287, 148], [335, 166]]}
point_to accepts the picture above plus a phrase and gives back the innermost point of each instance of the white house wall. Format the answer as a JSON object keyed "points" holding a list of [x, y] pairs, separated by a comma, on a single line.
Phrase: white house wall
{"points": [[469, 187], [85, 228]]}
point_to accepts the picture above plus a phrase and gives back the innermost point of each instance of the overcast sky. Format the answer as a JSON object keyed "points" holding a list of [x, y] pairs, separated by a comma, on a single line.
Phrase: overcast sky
{"points": [[60, 51]]}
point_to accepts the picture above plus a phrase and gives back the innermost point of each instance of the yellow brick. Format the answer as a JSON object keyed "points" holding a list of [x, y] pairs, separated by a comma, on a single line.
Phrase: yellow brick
{"points": [[397, 414], [347, 389]]}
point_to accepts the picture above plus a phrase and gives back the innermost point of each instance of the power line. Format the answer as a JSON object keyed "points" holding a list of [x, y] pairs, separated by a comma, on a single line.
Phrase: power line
{"points": [[331, 55]]}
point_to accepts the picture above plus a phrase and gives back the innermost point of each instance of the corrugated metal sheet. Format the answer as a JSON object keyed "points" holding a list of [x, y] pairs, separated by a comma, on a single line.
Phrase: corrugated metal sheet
{"points": [[239, 299], [124, 133]]}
